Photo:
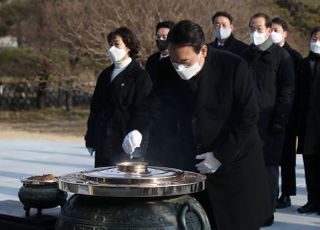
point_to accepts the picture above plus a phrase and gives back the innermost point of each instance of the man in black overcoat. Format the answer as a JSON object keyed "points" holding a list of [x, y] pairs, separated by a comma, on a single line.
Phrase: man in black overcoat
{"points": [[213, 124], [152, 64], [288, 161], [309, 122], [271, 69], [152, 67], [222, 23]]}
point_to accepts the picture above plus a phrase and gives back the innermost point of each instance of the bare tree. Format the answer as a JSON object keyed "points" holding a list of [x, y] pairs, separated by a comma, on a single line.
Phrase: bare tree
{"points": [[78, 29], [83, 25]]}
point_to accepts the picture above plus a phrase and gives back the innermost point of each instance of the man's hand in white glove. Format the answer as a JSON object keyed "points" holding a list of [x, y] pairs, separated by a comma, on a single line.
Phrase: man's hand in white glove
{"points": [[91, 151], [209, 164], [131, 141]]}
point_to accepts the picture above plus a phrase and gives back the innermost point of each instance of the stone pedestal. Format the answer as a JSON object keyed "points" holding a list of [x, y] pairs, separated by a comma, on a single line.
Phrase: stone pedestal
{"points": [[12, 216]]}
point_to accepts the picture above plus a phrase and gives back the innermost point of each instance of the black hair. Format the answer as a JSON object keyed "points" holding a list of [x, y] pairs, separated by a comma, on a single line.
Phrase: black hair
{"points": [[223, 14], [315, 30], [187, 33], [281, 22], [165, 24], [268, 20], [128, 37]]}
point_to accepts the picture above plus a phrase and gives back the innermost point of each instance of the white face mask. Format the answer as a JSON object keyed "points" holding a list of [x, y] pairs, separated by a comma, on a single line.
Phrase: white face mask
{"points": [[116, 54], [315, 47], [222, 33], [187, 72], [258, 38], [276, 37]]}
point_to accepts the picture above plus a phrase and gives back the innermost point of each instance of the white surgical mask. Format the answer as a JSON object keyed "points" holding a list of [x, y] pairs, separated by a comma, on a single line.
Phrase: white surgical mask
{"points": [[116, 54], [315, 47], [187, 72], [276, 37], [222, 33], [258, 38]]}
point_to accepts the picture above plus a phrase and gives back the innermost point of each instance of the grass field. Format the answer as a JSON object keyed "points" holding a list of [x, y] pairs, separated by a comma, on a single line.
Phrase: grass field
{"points": [[51, 121], [49, 114]]}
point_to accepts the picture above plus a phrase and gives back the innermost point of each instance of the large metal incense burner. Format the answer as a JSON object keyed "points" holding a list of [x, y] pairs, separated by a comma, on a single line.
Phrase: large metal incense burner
{"points": [[132, 195]]}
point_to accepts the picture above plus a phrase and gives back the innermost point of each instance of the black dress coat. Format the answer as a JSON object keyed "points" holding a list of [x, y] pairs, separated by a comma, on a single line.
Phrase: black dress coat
{"points": [[309, 106], [152, 66], [231, 44], [273, 74], [162, 126], [288, 159], [296, 58], [214, 111], [112, 106]]}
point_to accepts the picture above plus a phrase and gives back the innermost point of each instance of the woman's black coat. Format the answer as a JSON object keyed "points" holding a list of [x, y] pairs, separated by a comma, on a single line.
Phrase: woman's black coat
{"points": [[111, 108], [214, 111]]}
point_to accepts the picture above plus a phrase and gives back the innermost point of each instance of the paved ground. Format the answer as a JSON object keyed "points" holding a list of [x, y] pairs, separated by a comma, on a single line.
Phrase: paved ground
{"points": [[24, 157]]}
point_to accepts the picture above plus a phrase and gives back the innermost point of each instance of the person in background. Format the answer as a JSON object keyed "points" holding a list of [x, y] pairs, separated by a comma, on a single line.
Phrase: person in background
{"points": [[162, 30], [213, 127], [272, 71], [120, 88], [222, 23], [155, 153], [288, 161], [309, 122]]}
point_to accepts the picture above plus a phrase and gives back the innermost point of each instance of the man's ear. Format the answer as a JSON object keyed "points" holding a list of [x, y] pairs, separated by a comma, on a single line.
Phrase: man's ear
{"points": [[204, 50]]}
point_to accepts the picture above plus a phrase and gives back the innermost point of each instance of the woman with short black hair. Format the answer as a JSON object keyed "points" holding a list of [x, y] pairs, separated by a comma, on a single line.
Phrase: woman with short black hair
{"points": [[120, 88]]}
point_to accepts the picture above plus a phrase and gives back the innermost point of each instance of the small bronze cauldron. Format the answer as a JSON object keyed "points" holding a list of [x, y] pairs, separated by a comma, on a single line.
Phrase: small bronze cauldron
{"points": [[132, 196], [41, 192]]}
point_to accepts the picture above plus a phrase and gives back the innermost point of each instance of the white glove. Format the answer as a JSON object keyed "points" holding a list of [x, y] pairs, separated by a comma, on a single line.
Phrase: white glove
{"points": [[90, 150], [210, 164], [132, 141]]}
